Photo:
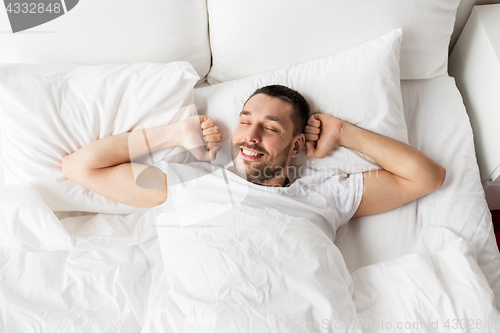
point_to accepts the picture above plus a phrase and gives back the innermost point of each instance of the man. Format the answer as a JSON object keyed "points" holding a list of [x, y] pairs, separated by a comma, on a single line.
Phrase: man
{"points": [[272, 130]]}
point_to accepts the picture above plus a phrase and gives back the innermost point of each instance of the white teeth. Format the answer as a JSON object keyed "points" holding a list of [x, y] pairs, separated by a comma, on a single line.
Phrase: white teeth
{"points": [[250, 153]]}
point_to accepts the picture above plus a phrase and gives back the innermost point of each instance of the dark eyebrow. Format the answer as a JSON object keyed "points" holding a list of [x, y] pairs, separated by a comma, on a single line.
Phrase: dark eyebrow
{"points": [[272, 118]]}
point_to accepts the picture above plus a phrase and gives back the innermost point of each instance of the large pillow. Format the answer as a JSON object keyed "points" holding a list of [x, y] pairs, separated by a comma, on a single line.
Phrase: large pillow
{"points": [[115, 31], [49, 111], [253, 37], [360, 85], [255, 270]]}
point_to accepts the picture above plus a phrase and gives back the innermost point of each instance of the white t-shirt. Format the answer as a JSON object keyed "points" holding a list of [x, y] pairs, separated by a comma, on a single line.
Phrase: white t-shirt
{"points": [[197, 191]]}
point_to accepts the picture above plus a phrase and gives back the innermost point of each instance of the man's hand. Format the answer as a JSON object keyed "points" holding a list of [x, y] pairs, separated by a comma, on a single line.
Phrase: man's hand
{"points": [[195, 132], [323, 133]]}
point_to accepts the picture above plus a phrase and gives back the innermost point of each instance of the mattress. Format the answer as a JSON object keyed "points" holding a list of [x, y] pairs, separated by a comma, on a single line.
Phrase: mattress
{"points": [[117, 259]]}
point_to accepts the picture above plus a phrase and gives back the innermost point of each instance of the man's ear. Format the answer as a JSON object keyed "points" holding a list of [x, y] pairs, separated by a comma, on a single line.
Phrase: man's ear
{"points": [[298, 144]]}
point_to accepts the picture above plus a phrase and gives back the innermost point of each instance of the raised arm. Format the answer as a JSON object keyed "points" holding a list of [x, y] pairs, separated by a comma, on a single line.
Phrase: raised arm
{"points": [[104, 166], [407, 173]]}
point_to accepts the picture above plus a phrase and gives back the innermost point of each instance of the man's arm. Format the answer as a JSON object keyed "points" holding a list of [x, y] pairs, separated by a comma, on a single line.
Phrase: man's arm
{"points": [[408, 174], [104, 166]]}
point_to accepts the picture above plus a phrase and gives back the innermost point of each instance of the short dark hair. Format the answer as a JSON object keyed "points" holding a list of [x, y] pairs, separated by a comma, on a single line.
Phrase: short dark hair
{"points": [[300, 106]]}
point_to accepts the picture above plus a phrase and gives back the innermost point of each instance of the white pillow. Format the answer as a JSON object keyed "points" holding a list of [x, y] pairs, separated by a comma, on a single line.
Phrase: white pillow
{"points": [[253, 37], [255, 270], [49, 111], [115, 31], [360, 85]]}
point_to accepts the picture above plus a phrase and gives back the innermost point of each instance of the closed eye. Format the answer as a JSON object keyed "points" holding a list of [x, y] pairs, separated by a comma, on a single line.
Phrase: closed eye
{"points": [[271, 129]]}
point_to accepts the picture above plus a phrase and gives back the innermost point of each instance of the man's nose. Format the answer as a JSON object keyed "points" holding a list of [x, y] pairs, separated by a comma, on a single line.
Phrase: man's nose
{"points": [[253, 135]]}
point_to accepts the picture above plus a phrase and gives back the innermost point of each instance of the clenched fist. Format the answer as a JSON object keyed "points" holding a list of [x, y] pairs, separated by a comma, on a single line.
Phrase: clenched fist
{"points": [[323, 133], [196, 131]]}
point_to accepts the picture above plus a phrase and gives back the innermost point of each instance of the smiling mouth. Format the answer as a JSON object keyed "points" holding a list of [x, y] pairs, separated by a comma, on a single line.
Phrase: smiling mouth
{"points": [[249, 154]]}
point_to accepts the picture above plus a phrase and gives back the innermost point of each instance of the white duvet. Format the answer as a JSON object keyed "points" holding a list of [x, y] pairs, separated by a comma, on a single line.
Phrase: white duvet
{"points": [[255, 270], [252, 271]]}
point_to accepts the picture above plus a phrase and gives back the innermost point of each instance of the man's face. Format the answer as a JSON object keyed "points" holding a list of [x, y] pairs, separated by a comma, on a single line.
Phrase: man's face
{"points": [[263, 142]]}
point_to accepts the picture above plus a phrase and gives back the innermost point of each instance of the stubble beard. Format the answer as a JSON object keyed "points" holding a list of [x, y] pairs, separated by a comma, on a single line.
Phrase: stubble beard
{"points": [[259, 171]]}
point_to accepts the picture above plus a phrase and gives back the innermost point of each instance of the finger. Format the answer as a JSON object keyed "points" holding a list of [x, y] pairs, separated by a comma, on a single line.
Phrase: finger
{"points": [[215, 147], [201, 119], [211, 130], [310, 151], [310, 147], [313, 152], [213, 155], [207, 123], [313, 121], [313, 143], [213, 152], [200, 153], [211, 145], [312, 130], [311, 137], [213, 138]]}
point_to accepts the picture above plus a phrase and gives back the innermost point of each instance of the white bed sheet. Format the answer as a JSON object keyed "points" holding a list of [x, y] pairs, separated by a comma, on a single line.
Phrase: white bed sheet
{"points": [[116, 260], [438, 125], [106, 273]]}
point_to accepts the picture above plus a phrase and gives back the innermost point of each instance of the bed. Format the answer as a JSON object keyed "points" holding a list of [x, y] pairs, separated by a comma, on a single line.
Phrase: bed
{"points": [[71, 261]]}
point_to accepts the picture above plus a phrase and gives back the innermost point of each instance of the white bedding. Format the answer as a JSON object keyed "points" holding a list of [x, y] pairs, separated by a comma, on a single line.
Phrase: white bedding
{"points": [[51, 110], [254, 270], [104, 273], [260, 271]]}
